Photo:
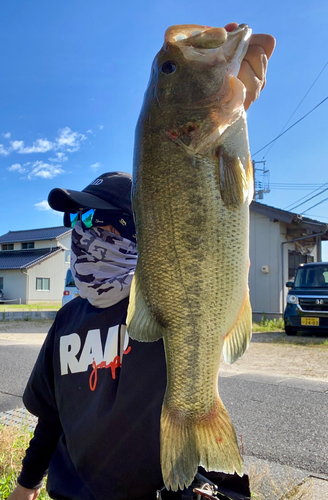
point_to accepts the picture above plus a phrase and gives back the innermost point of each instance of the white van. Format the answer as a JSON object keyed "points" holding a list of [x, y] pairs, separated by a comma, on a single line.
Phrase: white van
{"points": [[70, 290]]}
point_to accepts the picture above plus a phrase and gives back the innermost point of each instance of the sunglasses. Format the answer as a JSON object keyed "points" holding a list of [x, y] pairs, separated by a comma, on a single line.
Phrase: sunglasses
{"points": [[85, 216]]}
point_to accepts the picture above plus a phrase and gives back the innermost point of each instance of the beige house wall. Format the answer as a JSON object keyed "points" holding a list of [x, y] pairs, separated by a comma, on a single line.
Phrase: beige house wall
{"points": [[265, 268], [55, 269], [14, 285], [268, 273]]}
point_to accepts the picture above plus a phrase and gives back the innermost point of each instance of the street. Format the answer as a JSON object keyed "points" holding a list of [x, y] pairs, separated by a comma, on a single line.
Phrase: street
{"points": [[283, 420], [16, 363], [279, 419]]}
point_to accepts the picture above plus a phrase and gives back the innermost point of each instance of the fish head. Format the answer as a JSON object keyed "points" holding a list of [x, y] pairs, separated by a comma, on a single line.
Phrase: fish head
{"points": [[194, 63]]}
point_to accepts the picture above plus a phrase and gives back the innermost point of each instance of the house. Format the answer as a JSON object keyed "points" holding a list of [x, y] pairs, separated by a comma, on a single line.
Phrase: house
{"points": [[33, 264], [279, 242]]}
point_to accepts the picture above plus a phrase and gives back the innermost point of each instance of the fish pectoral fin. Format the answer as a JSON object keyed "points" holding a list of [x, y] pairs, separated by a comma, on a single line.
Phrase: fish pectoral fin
{"points": [[141, 324], [237, 340], [232, 179]]}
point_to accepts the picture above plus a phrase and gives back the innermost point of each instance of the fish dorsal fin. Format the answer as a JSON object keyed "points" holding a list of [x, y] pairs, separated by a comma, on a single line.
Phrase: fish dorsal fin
{"points": [[141, 324], [232, 179], [237, 340]]}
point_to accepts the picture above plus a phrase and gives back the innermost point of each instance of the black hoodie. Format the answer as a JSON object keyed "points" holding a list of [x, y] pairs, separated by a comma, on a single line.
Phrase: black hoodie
{"points": [[98, 397]]}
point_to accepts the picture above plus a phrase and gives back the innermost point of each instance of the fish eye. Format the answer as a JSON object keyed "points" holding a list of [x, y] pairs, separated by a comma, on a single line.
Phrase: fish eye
{"points": [[168, 67]]}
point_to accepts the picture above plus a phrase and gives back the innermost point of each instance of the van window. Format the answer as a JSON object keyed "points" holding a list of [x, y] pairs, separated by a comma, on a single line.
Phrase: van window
{"points": [[69, 279]]}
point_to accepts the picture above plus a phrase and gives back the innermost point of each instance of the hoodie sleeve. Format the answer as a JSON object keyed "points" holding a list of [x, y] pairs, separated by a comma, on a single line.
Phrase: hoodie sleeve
{"points": [[39, 399], [39, 453]]}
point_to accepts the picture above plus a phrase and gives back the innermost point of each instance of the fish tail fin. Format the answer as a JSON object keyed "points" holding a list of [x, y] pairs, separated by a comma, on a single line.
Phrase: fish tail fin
{"points": [[210, 442]]}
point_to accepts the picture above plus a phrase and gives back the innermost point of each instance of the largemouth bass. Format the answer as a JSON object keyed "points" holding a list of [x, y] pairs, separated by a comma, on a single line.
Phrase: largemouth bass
{"points": [[192, 186]]}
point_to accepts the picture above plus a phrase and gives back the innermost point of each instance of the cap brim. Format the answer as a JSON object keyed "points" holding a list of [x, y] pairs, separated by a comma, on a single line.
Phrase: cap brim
{"points": [[66, 200]]}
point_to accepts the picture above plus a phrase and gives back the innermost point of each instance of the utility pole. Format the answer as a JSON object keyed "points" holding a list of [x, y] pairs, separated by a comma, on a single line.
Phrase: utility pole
{"points": [[261, 180]]}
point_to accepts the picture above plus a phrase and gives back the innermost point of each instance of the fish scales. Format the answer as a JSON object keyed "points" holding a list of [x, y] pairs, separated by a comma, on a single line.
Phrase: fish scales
{"points": [[192, 185]]}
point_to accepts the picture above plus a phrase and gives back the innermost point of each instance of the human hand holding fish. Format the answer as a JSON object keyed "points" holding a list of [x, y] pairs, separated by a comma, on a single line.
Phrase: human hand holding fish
{"points": [[254, 65], [192, 186]]}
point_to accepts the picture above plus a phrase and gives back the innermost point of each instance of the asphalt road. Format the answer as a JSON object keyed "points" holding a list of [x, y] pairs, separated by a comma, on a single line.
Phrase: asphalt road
{"points": [[16, 363], [282, 420]]}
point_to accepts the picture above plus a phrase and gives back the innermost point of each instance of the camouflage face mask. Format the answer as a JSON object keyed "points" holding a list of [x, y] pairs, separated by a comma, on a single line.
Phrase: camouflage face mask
{"points": [[102, 265]]}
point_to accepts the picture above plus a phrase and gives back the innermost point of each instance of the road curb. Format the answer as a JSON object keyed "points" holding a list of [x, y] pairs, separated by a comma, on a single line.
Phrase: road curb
{"points": [[26, 315], [18, 417]]}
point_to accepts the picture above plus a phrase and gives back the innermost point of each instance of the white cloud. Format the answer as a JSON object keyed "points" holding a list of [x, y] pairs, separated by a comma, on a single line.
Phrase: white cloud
{"points": [[4, 151], [17, 167], [89, 131], [39, 146], [17, 145], [42, 206], [44, 170], [7, 135], [100, 127], [59, 157], [68, 140], [95, 166]]}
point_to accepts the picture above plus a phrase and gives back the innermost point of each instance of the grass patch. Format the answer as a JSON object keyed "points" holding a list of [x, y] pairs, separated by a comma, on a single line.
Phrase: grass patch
{"points": [[14, 439], [266, 325], [39, 306]]}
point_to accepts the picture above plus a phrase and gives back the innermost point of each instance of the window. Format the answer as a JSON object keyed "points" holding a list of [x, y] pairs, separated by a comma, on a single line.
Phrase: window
{"points": [[294, 260], [1, 282], [8, 246], [43, 283], [27, 245]]}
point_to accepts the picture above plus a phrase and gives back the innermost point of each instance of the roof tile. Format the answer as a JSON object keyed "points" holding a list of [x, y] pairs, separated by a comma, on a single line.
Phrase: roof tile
{"points": [[17, 259], [47, 233]]}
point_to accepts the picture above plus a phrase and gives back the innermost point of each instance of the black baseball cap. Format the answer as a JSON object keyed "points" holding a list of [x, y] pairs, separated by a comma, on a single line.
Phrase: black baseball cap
{"points": [[110, 191]]}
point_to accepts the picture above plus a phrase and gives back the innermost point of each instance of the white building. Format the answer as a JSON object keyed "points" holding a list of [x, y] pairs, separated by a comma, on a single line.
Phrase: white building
{"points": [[33, 264], [279, 242]]}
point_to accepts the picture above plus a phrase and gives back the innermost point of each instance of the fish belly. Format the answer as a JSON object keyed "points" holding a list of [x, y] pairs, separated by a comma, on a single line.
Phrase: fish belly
{"points": [[192, 272]]}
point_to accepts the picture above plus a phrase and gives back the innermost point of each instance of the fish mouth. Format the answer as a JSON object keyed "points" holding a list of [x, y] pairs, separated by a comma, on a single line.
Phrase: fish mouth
{"points": [[205, 37], [236, 46], [204, 44]]}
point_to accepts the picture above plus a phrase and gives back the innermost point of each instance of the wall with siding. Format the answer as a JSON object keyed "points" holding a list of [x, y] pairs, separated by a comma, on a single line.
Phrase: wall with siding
{"points": [[14, 285], [265, 248], [54, 268]]}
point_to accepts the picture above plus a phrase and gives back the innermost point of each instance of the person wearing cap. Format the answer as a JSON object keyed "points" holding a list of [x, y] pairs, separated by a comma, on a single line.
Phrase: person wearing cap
{"points": [[98, 394]]}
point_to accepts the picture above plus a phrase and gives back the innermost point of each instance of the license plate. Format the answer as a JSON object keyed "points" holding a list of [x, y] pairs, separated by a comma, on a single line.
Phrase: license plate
{"points": [[310, 321]]}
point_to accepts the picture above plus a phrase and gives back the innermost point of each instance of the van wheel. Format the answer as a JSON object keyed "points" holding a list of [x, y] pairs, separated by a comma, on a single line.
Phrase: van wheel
{"points": [[290, 331]]}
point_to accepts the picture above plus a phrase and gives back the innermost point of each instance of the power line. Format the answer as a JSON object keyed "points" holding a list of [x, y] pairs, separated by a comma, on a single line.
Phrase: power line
{"points": [[283, 128], [314, 196], [298, 121], [314, 205], [300, 184], [293, 206], [289, 188]]}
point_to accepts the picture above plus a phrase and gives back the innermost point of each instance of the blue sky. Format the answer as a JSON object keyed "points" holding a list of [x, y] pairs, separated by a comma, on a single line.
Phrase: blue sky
{"points": [[73, 75]]}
